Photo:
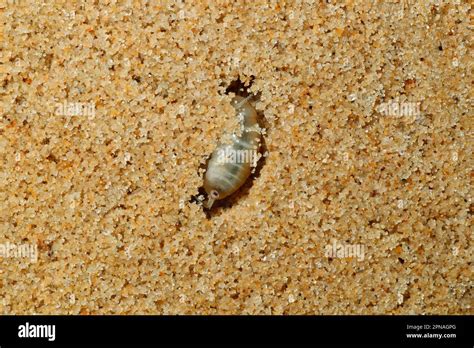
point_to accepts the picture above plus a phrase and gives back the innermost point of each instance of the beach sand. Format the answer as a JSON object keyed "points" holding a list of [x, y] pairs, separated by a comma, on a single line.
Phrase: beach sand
{"points": [[361, 203]]}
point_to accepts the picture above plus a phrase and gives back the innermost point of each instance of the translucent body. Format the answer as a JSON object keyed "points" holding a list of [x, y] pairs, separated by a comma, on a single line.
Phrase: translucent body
{"points": [[231, 165]]}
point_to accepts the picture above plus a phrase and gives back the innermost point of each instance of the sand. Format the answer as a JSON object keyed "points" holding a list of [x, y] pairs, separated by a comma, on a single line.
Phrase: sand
{"points": [[361, 205]]}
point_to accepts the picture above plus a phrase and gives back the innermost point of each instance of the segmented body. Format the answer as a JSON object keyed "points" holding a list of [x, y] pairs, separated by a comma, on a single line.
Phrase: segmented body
{"points": [[227, 173]]}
